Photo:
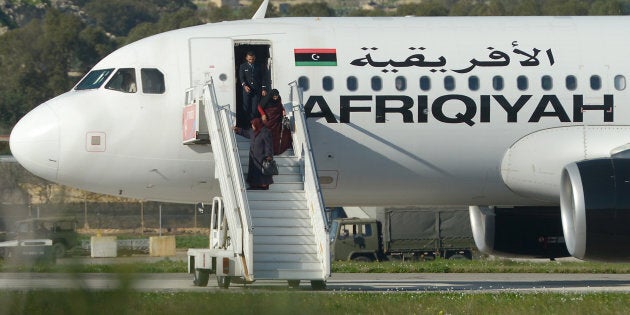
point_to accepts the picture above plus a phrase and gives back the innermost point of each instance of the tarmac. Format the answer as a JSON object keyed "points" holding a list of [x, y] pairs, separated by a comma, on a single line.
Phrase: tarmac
{"points": [[180, 255], [337, 283]]}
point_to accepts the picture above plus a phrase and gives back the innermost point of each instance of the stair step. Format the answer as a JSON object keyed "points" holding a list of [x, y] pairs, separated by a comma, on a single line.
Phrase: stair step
{"points": [[295, 214], [284, 157], [295, 186], [282, 169], [278, 240], [277, 222], [285, 258], [256, 195], [280, 187], [277, 204], [285, 248], [282, 161], [289, 169], [242, 144], [286, 178], [288, 274], [240, 139], [278, 231], [283, 178]]}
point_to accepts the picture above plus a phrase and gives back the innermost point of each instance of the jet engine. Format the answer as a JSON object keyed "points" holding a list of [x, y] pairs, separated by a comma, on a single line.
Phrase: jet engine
{"points": [[595, 203], [527, 232]]}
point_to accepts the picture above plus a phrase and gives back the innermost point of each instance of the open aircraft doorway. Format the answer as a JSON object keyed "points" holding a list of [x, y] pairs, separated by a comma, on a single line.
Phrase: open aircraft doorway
{"points": [[262, 51]]}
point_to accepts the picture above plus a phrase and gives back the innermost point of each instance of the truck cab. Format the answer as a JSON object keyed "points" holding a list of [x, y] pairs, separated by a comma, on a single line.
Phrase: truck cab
{"points": [[355, 239], [61, 230]]}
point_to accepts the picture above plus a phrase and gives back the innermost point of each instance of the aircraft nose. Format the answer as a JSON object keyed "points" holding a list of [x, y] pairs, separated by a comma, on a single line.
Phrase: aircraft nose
{"points": [[34, 142]]}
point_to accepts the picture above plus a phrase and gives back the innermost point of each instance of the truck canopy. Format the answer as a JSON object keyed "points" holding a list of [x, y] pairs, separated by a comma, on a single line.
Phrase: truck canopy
{"points": [[429, 229]]}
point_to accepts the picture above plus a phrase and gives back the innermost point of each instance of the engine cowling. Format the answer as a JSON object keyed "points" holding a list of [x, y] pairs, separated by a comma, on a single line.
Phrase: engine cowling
{"points": [[595, 204], [528, 232]]}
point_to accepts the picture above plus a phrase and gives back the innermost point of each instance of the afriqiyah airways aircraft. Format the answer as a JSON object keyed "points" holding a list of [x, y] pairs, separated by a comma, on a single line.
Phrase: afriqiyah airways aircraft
{"points": [[523, 119]]}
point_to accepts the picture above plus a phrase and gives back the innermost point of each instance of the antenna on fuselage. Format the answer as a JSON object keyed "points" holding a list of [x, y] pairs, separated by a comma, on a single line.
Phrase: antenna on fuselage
{"points": [[262, 10]]}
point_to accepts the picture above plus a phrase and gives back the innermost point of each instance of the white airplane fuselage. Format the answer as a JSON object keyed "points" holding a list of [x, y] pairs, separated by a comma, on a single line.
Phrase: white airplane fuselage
{"points": [[390, 146]]}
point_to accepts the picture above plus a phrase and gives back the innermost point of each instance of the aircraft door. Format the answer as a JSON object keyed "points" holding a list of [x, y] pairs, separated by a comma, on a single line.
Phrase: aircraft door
{"points": [[214, 57]]}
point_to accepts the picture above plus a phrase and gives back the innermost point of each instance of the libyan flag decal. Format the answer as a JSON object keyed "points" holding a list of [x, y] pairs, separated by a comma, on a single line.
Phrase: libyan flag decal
{"points": [[315, 56]]}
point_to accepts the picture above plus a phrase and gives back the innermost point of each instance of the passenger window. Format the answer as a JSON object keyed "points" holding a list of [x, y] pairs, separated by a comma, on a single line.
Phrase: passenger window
{"points": [[347, 231], [152, 81], [401, 83], [425, 83], [377, 83], [596, 82], [303, 83], [124, 81], [546, 83], [473, 83], [497, 83], [367, 230], [522, 83], [94, 79], [327, 83], [352, 84], [449, 83], [620, 82], [571, 82]]}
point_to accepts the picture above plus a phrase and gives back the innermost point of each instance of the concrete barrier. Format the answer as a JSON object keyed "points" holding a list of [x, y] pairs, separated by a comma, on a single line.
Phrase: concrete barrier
{"points": [[104, 246], [160, 246]]}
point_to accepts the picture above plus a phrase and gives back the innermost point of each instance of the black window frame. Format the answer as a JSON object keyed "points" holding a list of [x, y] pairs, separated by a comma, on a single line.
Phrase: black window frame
{"points": [[96, 77]]}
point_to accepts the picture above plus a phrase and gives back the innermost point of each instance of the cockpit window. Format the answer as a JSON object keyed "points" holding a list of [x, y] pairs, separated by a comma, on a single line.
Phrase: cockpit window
{"points": [[124, 81], [152, 81], [94, 79]]}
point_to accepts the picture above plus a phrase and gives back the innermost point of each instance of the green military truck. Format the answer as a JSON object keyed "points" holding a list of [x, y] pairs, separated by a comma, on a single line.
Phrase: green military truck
{"points": [[61, 230], [403, 234]]}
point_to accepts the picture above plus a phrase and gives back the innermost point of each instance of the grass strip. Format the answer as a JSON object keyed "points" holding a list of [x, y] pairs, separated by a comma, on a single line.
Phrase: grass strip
{"points": [[258, 302], [438, 266], [480, 266], [162, 266]]}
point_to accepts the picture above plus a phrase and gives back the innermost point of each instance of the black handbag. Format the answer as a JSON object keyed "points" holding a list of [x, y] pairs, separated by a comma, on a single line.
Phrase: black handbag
{"points": [[286, 123], [269, 167]]}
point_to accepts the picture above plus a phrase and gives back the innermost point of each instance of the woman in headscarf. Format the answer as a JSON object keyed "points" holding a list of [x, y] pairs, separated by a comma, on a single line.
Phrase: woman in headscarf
{"points": [[260, 148], [272, 113]]}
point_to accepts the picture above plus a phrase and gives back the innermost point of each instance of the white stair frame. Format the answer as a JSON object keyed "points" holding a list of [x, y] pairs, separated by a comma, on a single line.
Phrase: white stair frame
{"points": [[230, 175], [303, 150], [229, 172]]}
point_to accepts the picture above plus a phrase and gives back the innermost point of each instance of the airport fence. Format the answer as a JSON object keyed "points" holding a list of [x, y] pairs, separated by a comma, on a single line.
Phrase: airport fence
{"points": [[105, 216]]}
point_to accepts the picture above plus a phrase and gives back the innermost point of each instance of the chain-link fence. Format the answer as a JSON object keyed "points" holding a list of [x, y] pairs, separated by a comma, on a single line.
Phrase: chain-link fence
{"points": [[18, 188], [125, 216]]}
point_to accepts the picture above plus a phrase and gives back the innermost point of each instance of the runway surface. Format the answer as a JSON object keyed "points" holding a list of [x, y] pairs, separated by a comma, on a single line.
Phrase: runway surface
{"points": [[343, 282]]}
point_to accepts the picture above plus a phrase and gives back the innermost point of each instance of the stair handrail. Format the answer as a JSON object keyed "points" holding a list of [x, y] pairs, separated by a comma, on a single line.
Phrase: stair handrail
{"points": [[221, 162], [230, 176], [239, 188], [235, 163], [303, 150]]}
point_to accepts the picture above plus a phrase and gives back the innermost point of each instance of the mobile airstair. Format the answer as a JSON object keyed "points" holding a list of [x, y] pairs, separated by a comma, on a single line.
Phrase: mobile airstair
{"points": [[278, 234]]}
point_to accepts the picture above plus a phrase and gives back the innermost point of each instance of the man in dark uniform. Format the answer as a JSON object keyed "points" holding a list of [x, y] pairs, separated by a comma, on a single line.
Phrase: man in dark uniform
{"points": [[252, 77]]}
